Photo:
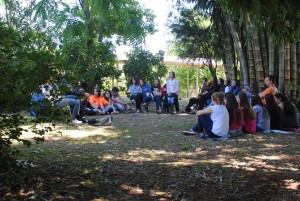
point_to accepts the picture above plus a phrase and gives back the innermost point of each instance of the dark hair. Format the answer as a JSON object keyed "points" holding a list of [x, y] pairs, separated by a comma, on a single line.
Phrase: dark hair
{"points": [[244, 102], [158, 86], [104, 94], [255, 100], [116, 89], [133, 78], [98, 90], [221, 81], [271, 78], [215, 80], [228, 82], [270, 101], [143, 79], [233, 107], [204, 79], [288, 108], [173, 73]]}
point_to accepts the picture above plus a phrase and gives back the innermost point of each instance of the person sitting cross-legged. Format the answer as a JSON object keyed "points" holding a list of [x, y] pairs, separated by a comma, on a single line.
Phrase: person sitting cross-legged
{"points": [[235, 114], [276, 114], [262, 114], [135, 93], [249, 119], [119, 103], [106, 104], [213, 120]]}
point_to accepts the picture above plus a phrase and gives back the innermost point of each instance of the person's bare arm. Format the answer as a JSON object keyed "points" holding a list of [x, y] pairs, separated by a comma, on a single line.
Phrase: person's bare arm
{"points": [[207, 110]]}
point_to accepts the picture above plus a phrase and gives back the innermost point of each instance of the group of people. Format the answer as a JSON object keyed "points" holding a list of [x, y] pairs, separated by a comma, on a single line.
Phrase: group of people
{"points": [[165, 97], [233, 112]]}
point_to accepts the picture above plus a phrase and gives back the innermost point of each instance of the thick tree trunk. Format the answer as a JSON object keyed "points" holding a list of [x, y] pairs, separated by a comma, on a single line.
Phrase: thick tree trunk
{"points": [[259, 69], [298, 67], [293, 71], [287, 69], [264, 50], [238, 45], [271, 55], [281, 67], [228, 53]]}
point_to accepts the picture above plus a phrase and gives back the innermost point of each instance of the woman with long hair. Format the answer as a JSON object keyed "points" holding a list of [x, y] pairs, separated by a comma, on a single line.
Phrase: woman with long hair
{"points": [[262, 114], [106, 104], [275, 111], [135, 93], [157, 94], [95, 101], [235, 113], [213, 120], [249, 119], [290, 112]]}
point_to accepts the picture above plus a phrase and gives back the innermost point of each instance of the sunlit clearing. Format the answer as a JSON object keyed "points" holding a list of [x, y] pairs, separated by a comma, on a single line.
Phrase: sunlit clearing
{"points": [[292, 184], [132, 190]]}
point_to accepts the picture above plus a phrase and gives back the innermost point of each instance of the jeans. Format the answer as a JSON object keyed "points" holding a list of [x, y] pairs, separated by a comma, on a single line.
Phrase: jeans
{"points": [[158, 101], [205, 123], [72, 103]]}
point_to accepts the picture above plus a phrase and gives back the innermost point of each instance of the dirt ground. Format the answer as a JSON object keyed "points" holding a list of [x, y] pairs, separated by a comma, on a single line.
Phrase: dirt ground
{"points": [[146, 157]]}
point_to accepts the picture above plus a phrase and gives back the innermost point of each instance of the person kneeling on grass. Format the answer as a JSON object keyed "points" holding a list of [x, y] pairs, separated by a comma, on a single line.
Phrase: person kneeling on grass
{"points": [[213, 120]]}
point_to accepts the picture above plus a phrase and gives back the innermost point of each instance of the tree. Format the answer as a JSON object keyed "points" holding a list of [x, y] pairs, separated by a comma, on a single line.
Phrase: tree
{"points": [[196, 38], [143, 64]]}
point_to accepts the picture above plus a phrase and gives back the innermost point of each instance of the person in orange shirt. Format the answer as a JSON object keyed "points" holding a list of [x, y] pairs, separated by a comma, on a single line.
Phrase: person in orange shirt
{"points": [[95, 101], [270, 82]]}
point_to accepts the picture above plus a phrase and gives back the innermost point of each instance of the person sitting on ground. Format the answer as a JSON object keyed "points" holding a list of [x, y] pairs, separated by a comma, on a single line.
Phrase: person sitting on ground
{"points": [[95, 101], [157, 94], [235, 113], [276, 114], [290, 112], [227, 86], [146, 94], [249, 119], [119, 103], [235, 89], [213, 120], [106, 104], [221, 83], [262, 114], [213, 87], [246, 89], [173, 92], [193, 101], [271, 89], [135, 93]]}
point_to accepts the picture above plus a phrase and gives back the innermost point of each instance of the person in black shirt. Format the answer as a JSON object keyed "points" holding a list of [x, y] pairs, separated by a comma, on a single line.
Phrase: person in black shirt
{"points": [[275, 111]]}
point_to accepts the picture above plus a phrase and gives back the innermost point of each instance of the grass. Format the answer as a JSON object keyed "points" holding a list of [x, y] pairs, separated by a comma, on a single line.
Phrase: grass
{"points": [[146, 157]]}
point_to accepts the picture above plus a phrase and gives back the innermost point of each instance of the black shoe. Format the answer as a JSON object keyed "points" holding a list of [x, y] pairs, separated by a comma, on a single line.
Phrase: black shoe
{"points": [[189, 132]]}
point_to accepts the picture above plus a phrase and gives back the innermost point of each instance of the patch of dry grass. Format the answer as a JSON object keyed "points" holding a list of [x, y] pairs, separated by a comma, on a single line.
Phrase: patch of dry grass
{"points": [[146, 157]]}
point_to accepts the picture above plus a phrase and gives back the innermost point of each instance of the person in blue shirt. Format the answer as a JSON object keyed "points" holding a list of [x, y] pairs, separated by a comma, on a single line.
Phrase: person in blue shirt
{"points": [[246, 89], [146, 94], [235, 89]]}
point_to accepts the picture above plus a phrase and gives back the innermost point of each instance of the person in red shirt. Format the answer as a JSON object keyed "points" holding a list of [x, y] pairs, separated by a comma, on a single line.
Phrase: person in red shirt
{"points": [[235, 113], [249, 118]]}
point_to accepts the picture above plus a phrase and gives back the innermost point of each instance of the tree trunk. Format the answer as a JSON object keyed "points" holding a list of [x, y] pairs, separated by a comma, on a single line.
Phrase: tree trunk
{"points": [[259, 69], [281, 67], [253, 82], [298, 66], [287, 68], [100, 33], [271, 55], [264, 49], [228, 53], [293, 72], [8, 11], [238, 45]]}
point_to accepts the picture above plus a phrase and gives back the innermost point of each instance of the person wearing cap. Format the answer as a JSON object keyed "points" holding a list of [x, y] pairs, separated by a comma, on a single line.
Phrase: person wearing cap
{"points": [[246, 89]]}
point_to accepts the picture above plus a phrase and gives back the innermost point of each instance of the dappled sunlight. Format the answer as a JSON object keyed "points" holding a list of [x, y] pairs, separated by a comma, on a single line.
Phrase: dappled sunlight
{"points": [[292, 184], [134, 190]]}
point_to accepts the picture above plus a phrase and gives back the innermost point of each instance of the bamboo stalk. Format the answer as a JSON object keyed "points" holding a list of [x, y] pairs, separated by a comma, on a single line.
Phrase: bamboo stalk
{"points": [[287, 69], [281, 67], [271, 55], [293, 71]]}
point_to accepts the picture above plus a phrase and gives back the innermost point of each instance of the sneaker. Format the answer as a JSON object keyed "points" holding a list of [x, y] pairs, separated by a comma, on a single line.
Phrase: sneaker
{"points": [[145, 111], [75, 121], [132, 101], [189, 132], [137, 111], [144, 104]]}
